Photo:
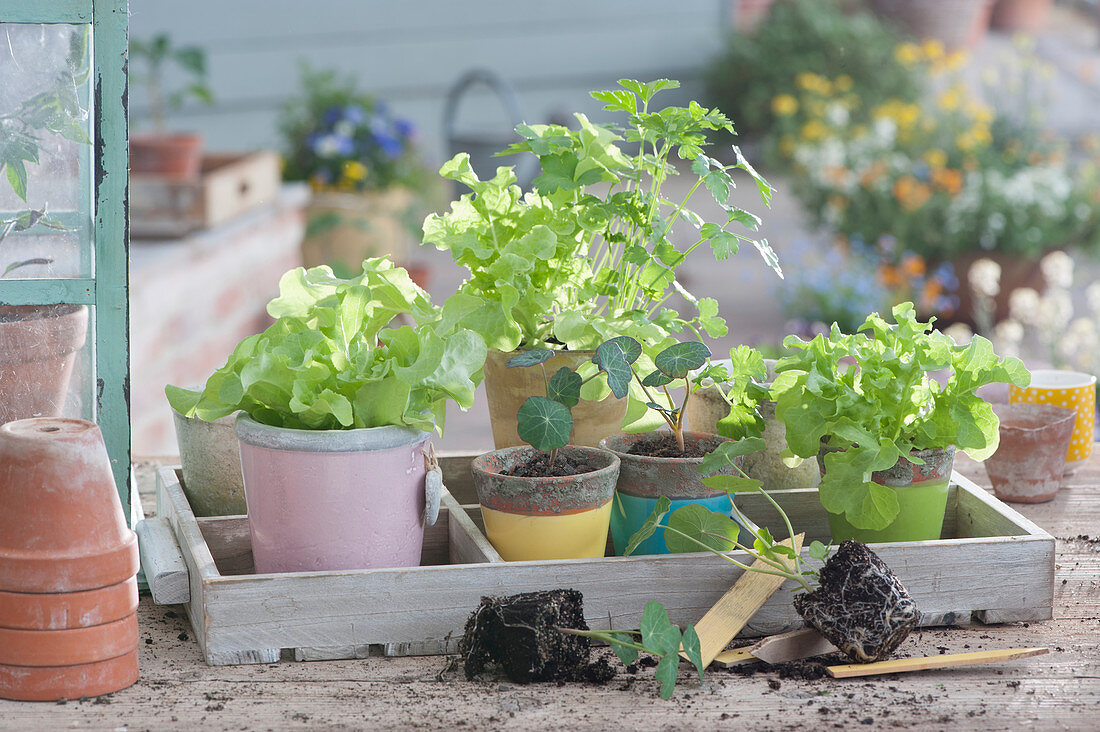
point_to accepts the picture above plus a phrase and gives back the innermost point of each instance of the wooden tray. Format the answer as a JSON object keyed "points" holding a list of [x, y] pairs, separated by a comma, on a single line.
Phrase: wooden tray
{"points": [[228, 186], [993, 565]]}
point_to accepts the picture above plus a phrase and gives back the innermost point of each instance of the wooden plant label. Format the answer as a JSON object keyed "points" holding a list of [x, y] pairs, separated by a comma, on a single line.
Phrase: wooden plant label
{"points": [[735, 608], [949, 660]]}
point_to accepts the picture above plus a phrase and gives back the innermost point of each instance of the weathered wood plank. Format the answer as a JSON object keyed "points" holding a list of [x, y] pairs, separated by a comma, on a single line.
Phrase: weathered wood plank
{"points": [[162, 562]]}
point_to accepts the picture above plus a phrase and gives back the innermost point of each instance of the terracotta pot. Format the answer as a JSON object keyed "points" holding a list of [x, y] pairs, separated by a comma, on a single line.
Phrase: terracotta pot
{"points": [[343, 229], [955, 23], [177, 156], [72, 647], [333, 499], [546, 518], [1015, 16], [62, 610], [507, 389], [1028, 464], [921, 490], [644, 479], [51, 683], [38, 346], [211, 462], [707, 407], [1016, 272], [62, 528]]}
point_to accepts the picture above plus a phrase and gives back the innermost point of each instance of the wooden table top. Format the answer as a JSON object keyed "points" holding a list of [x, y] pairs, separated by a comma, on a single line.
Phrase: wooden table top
{"points": [[1060, 690]]}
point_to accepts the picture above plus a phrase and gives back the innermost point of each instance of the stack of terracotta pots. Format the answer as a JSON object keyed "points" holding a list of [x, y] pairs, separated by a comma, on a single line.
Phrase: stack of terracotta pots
{"points": [[68, 592]]}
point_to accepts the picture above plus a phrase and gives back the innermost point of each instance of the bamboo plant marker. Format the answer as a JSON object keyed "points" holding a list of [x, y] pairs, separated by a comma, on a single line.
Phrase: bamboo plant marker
{"points": [[735, 608], [949, 660]]}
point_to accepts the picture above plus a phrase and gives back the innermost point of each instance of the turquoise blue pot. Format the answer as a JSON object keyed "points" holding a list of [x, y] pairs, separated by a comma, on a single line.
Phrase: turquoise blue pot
{"points": [[628, 513], [643, 479]]}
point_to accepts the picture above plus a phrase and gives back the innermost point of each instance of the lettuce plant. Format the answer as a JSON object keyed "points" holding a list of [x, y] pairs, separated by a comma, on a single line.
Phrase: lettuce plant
{"points": [[872, 395], [332, 360]]}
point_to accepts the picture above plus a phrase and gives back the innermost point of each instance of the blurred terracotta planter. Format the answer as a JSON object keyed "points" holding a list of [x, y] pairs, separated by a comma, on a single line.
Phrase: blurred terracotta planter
{"points": [[38, 346], [176, 156], [1020, 15], [1028, 465], [62, 528], [507, 389], [62, 610], [210, 455], [50, 683], [343, 229], [955, 23]]}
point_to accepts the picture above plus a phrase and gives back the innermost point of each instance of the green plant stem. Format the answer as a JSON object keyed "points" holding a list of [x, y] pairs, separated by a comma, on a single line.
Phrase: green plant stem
{"points": [[786, 574], [608, 636]]}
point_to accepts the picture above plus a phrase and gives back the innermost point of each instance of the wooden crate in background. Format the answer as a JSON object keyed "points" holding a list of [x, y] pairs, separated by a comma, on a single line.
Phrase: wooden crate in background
{"points": [[228, 186]]}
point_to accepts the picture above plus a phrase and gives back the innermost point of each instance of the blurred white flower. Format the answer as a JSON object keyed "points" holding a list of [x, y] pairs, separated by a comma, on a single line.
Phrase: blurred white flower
{"points": [[1023, 305], [1007, 337], [1057, 268], [985, 277], [1055, 312], [959, 332], [1092, 295]]}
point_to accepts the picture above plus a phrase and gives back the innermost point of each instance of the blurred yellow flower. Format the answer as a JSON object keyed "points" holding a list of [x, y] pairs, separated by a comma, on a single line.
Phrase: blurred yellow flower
{"points": [[1023, 41], [955, 60], [948, 180], [911, 193], [810, 81], [907, 54], [949, 99], [932, 49], [814, 130], [786, 146], [843, 82], [354, 170], [784, 105], [935, 158]]}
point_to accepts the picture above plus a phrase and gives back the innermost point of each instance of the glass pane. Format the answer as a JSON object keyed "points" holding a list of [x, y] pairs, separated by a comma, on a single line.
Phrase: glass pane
{"points": [[46, 362], [45, 150]]}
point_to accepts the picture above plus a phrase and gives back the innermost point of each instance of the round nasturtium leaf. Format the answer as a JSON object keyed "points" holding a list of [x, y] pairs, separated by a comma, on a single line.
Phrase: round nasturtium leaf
{"points": [[680, 358], [533, 357], [565, 387], [716, 530], [544, 423], [614, 357]]}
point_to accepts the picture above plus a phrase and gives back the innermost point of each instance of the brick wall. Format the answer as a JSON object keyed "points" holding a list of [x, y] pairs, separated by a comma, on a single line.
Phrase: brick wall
{"points": [[192, 300]]}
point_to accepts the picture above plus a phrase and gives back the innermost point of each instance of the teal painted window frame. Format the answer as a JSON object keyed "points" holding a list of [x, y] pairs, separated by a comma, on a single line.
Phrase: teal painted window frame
{"points": [[107, 290]]}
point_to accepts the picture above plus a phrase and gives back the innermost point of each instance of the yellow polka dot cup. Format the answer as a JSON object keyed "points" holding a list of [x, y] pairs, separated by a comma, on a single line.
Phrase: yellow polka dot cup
{"points": [[1072, 390]]}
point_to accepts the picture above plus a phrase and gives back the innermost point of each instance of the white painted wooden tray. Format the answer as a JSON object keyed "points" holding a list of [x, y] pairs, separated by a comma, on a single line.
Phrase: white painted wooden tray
{"points": [[993, 565]]}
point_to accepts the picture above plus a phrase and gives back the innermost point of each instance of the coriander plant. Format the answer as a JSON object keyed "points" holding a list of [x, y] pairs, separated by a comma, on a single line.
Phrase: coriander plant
{"points": [[157, 53], [871, 394]]}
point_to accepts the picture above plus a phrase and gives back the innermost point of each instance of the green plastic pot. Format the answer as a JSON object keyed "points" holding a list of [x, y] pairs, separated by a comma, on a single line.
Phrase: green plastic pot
{"points": [[921, 491]]}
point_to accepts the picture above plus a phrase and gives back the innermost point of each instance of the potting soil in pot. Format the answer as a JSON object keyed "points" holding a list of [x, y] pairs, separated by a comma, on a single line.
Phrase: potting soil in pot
{"points": [[860, 606], [519, 635]]}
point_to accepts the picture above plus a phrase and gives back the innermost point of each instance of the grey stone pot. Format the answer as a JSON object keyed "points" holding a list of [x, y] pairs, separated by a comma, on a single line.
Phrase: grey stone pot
{"points": [[211, 459]]}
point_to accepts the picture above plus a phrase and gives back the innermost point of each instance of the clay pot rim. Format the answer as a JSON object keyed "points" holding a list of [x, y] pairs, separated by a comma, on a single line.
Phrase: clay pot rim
{"points": [[479, 465], [366, 439], [1057, 416], [688, 436], [154, 139]]}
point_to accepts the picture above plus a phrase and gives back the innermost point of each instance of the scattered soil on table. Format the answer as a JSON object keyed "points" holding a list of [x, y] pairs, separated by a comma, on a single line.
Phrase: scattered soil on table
{"points": [[664, 445], [807, 669], [539, 467], [860, 606], [520, 636]]}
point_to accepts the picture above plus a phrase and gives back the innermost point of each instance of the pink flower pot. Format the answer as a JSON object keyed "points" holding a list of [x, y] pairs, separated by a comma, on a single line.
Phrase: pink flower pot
{"points": [[1027, 467], [323, 500]]}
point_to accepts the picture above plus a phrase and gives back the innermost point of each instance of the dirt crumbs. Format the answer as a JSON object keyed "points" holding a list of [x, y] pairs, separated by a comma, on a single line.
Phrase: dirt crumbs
{"points": [[664, 445], [539, 467], [860, 605], [519, 636]]}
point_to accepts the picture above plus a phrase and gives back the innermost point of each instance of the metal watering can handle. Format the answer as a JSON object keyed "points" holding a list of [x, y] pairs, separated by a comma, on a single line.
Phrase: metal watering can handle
{"points": [[501, 88]]}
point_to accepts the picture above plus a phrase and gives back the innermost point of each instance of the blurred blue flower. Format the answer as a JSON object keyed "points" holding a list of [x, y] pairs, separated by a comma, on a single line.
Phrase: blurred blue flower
{"points": [[405, 128], [355, 114], [332, 116], [921, 170], [390, 145]]}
